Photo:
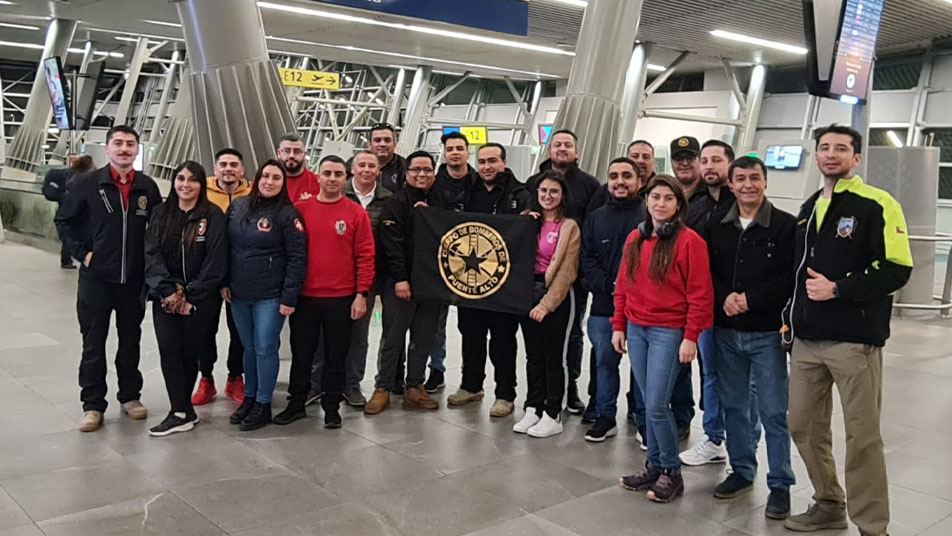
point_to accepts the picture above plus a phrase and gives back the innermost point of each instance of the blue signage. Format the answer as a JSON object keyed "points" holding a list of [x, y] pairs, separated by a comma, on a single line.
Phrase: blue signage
{"points": [[506, 16]]}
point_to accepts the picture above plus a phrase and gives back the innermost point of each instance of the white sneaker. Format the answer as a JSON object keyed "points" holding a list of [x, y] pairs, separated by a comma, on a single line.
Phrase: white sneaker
{"points": [[641, 441], [705, 452], [528, 421], [547, 426]]}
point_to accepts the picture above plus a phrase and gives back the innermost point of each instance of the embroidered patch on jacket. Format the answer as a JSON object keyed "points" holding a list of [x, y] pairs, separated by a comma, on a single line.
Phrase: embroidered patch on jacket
{"points": [[264, 225], [844, 229], [340, 226], [298, 225], [202, 227]]}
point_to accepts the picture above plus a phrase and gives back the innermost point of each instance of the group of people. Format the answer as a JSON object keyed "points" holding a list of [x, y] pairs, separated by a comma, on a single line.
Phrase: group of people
{"points": [[695, 266]]}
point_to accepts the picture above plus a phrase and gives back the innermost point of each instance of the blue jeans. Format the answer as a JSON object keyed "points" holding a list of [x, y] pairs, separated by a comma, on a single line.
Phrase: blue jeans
{"points": [[743, 356], [713, 421], [654, 360], [607, 381], [438, 353], [259, 326]]}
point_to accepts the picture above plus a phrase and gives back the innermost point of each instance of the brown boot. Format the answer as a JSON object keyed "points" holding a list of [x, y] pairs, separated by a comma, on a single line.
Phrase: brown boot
{"points": [[379, 401], [416, 398]]}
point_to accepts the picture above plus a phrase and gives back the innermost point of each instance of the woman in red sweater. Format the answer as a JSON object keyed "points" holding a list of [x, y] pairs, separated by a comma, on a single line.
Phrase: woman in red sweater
{"points": [[664, 299]]}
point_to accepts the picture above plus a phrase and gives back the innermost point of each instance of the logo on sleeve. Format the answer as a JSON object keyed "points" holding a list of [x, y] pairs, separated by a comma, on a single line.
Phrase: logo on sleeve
{"points": [[298, 225], [264, 225], [845, 227], [340, 226], [202, 227]]}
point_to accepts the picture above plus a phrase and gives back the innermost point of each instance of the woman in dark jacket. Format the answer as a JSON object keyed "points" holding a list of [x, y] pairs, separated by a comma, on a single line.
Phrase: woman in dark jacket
{"points": [[186, 255], [268, 262]]}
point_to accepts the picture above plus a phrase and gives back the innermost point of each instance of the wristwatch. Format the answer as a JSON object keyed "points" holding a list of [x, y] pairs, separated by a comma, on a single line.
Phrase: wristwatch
{"points": [[836, 291]]}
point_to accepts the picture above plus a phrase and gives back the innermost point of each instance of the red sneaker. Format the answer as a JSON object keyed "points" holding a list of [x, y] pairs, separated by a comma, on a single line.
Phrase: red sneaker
{"points": [[205, 393], [235, 389]]}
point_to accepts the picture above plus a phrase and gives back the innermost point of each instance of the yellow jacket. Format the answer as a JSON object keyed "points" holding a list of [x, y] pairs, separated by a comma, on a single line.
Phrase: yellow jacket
{"points": [[221, 198]]}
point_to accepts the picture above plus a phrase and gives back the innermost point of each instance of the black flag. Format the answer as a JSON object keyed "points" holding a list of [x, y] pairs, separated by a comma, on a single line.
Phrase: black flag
{"points": [[474, 260]]}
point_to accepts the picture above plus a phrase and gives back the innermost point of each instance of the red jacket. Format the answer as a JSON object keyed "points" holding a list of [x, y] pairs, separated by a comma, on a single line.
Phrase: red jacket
{"points": [[340, 247], [685, 300], [303, 186]]}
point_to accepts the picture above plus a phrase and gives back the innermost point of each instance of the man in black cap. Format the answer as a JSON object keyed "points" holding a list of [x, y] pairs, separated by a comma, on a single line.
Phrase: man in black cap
{"points": [[687, 167]]}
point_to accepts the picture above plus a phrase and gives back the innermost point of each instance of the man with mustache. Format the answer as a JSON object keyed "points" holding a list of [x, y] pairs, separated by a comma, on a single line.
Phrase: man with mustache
{"points": [[302, 182]]}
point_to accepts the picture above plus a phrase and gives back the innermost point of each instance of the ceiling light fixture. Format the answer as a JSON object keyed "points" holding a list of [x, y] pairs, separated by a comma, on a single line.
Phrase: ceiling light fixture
{"points": [[656, 68], [20, 45], [894, 138], [414, 28], [409, 56], [34, 46], [583, 3], [6, 3], [20, 26], [126, 34], [163, 23], [794, 49]]}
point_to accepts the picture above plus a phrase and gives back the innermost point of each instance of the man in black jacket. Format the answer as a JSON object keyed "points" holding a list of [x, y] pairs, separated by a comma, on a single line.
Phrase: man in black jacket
{"points": [[393, 168], [103, 221], [751, 252], [56, 185], [401, 309], [641, 152], [563, 157], [852, 255], [497, 192], [603, 243]]}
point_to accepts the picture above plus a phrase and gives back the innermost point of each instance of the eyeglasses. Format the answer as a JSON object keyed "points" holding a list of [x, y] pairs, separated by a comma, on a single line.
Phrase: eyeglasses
{"points": [[421, 170], [383, 126], [688, 159]]}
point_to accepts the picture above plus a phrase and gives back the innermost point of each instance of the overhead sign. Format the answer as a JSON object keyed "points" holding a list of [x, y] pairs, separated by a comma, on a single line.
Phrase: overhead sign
{"points": [[506, 16], [474, 135], [856, 49], [309, 79]]}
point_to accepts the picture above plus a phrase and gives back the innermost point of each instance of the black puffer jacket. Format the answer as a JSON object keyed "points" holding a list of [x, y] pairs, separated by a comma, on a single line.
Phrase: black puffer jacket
{"points": [[200, 268], [93, 219], [268, 252], [603, 243]]}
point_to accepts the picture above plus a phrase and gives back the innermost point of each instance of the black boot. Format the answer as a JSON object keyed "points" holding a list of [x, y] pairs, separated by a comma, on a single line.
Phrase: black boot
{"points": [[293, 412], [243, 410], [435, 382], [573, 403], [259, 417], [331, 416]]}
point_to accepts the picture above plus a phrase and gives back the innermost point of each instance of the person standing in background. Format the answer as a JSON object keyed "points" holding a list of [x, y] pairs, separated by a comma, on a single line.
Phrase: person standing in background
{"points": [[56, 185]]}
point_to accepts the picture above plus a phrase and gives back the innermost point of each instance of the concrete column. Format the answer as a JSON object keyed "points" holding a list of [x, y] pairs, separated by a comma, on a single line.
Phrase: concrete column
{"points": [[26, 151], [393, 117], [751, 111], [591, 107], [634, 95], [237, 98], [859, 120], [416, 110]]}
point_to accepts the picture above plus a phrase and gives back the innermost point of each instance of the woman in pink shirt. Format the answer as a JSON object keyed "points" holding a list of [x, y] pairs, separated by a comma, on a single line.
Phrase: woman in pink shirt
{"points": [[546, 328]]}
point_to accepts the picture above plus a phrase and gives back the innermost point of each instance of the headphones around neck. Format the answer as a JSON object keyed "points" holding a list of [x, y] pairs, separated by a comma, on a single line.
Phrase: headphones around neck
{"points": [[665, 230]]}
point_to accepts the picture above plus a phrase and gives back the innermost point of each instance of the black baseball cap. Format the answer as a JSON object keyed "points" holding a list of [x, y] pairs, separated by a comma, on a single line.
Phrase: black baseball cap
{"points": [[685, 144]]}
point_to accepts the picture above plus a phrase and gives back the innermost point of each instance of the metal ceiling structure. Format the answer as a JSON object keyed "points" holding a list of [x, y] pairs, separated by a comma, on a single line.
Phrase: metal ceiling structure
{"points": [[673, 26]]}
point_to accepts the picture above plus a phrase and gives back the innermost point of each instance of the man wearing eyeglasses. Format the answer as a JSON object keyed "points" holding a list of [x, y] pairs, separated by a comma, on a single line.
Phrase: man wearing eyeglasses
{"points": [[302, 182], [393, 168], [401, 310]]}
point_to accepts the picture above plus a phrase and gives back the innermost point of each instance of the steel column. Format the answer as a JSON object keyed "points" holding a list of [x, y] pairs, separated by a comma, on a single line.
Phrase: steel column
{"points": [[167, 86], [663, 77], [751, 109], [914, 136], [139, 56], [416, 110], [859, 120], [634, 94], [393, 117]]}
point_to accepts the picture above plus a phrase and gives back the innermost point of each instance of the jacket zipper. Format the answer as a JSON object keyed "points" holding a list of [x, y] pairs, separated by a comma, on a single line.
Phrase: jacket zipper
{"points": [[102, 194], [125, 212], [736, 259]]}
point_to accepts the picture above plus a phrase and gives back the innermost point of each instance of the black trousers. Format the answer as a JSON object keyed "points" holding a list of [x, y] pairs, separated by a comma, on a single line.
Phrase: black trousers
{"points": [[66, 258], [95, 302], [474, 326], [313, 319], [577, 336], [180, 341], [420, 319], [546, 351], [208, 354]]}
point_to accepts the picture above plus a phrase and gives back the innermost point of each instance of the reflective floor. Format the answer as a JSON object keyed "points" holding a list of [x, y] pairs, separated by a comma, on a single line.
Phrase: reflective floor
{"points": [[449, 472]]}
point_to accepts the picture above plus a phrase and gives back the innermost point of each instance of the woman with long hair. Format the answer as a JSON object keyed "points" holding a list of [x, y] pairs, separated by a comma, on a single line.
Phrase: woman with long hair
{"points": [[267, 265], [186, 256], [546, 328], [664, 299]]}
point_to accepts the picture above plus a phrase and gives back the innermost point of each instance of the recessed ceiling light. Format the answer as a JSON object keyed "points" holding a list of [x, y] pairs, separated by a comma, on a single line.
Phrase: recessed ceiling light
{"points": [[583, 3], [410, 57], [415, 28], [126, 33], [163, 23], [658, 68], [20, 45], [20, 26], [6, 3], [97, 53], [35, 46], [794, 49]]}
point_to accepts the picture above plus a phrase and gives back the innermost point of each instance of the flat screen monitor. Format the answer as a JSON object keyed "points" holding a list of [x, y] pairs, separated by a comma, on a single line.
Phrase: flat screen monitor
{"points": [[450, 130], [855, 50], [784, 157], [59, 92], [544, 132]]}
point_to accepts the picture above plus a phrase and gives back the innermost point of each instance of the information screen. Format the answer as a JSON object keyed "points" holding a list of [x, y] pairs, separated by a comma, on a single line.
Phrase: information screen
{"points": [[59, 96], [784, 157], [856, 49]]}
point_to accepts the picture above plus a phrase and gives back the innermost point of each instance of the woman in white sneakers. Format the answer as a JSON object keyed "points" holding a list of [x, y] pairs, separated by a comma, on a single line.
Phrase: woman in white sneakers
{"points": [[546, 328]]}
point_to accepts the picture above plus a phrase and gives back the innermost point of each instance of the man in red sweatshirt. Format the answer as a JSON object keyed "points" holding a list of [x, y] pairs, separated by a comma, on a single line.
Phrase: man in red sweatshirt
{"points": [[340, 272], [302, 182]]}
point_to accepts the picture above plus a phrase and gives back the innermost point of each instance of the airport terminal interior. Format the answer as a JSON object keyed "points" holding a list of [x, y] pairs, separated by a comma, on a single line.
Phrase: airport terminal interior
{"points": [[192, 77]]}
